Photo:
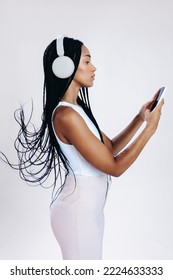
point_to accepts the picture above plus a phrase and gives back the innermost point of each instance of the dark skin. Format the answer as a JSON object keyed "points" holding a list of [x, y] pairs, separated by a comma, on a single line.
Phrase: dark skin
{"points": [[108, 157]]}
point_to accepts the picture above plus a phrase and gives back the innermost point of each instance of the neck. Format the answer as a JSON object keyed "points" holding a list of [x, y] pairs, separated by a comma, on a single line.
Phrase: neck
{"points": [[71, 93]]}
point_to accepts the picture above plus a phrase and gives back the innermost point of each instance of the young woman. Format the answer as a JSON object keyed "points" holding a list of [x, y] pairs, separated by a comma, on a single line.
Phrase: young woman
{"points": [[71, 144]]}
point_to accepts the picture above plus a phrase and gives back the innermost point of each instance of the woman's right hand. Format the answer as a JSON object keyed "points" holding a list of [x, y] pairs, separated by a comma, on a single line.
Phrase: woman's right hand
{"points": [[152, 118]]}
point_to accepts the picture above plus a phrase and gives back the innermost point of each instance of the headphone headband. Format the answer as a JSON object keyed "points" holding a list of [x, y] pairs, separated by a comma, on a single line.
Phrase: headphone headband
{"points": [[59, 45]]}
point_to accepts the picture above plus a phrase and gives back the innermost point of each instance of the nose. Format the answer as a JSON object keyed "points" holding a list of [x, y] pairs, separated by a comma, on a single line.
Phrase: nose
{"points": [[93, 68]]}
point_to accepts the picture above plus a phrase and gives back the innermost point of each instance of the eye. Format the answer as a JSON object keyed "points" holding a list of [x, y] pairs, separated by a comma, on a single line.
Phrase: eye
{"points": [[87, 62]]}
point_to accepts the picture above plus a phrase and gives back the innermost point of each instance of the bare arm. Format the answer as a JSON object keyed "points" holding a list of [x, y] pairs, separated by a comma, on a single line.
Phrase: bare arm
{"points": [[124, 137], [94, 151]]}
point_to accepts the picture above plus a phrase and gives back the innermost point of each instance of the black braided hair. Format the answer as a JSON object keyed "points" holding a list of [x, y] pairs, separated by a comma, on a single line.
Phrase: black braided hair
{"points": [[39, 154]]}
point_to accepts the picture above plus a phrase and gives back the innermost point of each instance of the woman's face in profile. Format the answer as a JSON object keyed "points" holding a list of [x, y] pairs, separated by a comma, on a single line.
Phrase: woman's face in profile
{"points": [[85, 73]]}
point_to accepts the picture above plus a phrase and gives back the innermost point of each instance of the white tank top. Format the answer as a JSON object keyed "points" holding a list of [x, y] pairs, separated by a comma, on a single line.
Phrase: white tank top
{"points": [[79, 165]]}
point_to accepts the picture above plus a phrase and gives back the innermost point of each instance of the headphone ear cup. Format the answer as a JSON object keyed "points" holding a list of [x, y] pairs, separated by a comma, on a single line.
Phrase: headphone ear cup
{"points": [[63, 67]]}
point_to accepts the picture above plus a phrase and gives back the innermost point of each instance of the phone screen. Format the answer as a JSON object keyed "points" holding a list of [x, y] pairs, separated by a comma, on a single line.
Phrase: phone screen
{"points": [[160, 95]]}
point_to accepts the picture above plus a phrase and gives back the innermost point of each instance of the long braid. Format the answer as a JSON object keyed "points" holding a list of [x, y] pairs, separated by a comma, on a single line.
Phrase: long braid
{"points": [[83, 101]]}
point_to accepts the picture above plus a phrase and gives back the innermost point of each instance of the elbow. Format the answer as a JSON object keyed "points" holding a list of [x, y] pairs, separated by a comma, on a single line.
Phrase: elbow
{"points": [[119, 168], [117, 174]]}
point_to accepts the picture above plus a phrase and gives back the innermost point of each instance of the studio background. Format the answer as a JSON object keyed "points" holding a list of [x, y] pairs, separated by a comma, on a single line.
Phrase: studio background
{"points": [[131, 43]]}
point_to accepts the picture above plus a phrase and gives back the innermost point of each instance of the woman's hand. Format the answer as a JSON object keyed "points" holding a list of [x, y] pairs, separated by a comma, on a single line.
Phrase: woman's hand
{"points": [[152, 118], [147, 107]]}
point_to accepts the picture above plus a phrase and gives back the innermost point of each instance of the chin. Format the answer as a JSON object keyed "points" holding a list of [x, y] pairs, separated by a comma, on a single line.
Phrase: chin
{"points": [[89, 84]]}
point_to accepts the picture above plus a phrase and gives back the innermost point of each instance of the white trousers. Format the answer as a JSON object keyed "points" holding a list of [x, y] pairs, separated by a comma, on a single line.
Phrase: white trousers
{"points": [[77, 217]]}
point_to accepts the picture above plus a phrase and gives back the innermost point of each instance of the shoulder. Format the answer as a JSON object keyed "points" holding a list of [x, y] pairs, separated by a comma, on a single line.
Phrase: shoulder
{"points": [[67, 116], [66, 122]]}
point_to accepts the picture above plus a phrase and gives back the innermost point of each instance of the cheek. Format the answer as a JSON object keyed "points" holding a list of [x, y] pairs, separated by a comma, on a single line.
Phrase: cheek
{"points": [[80, 75]]}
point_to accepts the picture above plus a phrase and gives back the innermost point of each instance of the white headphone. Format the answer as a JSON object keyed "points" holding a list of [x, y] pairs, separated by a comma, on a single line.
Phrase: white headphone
{"points": [[63, 66]]}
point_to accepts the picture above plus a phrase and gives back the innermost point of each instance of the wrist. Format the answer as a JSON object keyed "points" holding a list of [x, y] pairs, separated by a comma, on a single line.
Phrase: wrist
{"points": [[139, 118], [150, 129]]}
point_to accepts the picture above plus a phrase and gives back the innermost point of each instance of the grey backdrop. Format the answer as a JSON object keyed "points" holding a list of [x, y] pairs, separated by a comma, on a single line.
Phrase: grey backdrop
{"points": [[131, 43]]}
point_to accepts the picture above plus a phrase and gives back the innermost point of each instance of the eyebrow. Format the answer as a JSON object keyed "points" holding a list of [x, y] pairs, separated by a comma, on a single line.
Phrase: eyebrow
{"points": [[88, 55]]}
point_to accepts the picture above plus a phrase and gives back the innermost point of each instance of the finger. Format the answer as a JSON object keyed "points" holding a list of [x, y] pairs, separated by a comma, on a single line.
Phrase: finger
{"points": [[161, 103], [153, 99], [156, 95], [147, 112]]}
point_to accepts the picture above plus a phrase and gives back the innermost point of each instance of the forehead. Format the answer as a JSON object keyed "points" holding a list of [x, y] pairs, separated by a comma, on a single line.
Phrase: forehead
{"points": [[85, 51]]}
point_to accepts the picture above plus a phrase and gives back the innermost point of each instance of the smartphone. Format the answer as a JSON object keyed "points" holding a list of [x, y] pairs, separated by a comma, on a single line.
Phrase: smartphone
{"points": [[159, 97]]}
